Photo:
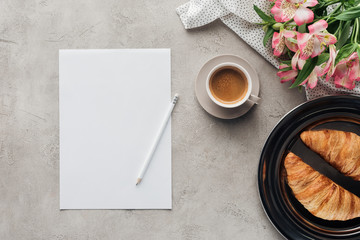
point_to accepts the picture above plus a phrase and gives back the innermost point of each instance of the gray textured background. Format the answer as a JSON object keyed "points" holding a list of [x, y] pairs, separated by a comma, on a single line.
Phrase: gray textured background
{"points": [[214, 161]]}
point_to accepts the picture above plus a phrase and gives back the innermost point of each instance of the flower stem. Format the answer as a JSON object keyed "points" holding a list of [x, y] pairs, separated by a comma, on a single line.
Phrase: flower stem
{"points": [[285, 23], [358, 30], [355, 31], [330, 3]]}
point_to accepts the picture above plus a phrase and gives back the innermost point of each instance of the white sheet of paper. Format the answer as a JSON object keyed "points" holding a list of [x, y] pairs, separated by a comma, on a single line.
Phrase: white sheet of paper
{"points": [[111, 106]]}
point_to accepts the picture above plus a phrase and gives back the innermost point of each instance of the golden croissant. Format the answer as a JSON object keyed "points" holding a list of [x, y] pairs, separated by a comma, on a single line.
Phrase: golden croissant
{"points": [[318, 194], [340, 149]]}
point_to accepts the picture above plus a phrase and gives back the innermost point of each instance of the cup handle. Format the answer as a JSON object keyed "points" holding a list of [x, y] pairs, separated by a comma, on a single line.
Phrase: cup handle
{"points": [[254, 99]]}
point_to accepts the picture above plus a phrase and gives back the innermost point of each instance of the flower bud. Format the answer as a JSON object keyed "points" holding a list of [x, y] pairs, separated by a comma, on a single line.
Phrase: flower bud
{"points": [[277, 26], [265, 28]]}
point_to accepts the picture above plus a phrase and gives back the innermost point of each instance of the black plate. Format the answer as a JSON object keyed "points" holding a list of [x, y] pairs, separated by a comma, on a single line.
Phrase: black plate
{"points": [[291, 219]]}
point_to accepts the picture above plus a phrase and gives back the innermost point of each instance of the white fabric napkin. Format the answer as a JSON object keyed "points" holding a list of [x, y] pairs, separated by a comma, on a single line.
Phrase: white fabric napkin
{"points": [[240, 16]]}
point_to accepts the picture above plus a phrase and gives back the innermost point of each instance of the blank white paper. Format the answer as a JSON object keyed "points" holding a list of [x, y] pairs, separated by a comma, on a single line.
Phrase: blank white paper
{"points": [[111, 106]]}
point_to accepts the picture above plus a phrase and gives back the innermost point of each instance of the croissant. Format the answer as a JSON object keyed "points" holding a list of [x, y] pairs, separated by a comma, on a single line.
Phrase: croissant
{"points": [[340, 149], [318, 194]]}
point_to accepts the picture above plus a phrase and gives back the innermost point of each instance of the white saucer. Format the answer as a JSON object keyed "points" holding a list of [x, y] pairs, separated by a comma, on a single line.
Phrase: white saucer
{"points": [[208, 104]]}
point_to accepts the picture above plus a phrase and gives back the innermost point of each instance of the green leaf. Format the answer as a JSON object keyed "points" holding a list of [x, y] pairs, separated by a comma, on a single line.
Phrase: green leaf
{"points": [[322, 58], [350, 3], [262, 15], [358, 51], [287, 62], [292, 40], [285, 69], [305, 72], [302, 28], [345, 32], [349, 14], [269, 33], [289, 53], [346, 51]]}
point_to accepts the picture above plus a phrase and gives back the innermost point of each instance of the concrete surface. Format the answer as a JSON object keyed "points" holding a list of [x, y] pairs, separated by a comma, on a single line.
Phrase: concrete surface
{"points": [[214, 161]]}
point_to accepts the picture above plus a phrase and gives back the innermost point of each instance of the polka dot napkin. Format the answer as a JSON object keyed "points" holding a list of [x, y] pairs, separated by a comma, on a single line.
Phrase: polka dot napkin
{"points": [[240, 16]]}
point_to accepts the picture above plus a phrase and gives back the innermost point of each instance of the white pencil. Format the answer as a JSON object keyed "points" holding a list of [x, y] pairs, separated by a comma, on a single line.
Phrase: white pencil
{"points": [[157, 139]]}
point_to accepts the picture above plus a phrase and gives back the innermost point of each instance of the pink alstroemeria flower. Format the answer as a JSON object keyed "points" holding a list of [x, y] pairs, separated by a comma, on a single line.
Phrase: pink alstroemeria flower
{"points": [[285, 10], [296, 61], [330, 65], [314, 43], [286, 76], [312, 79], [318, 71], [281, 39], [347, 71]]}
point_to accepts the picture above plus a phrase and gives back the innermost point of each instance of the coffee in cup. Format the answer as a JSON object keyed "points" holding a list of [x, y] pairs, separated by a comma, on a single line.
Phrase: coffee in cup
{"points": [[229, 85]]}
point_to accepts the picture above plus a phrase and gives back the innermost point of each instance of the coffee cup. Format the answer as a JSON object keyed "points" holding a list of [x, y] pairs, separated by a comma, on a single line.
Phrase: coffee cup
{"points": [[229, 85]]}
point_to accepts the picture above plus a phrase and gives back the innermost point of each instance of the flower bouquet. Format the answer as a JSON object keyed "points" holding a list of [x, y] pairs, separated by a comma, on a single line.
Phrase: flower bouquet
{"points": [[315, 38]]}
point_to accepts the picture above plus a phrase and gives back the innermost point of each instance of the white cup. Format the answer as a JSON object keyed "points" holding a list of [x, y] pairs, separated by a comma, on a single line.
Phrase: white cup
{"points": [[248, 96]]}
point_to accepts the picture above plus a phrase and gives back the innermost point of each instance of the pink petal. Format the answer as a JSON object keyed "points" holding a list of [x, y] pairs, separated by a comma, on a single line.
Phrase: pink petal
{"points": [[278, 44], [283, 65], [319, 70], [340, 70], [318, 48], [302, 39], [277, 11], [317, 27], [329, 67], [312, 80], [295, 60], [332, 51], [289, 34], [303, 15], [278, 3], [354, 70], [342, 62], [307, 48], [291, 45], [275, 39], [283, 12], [279, 50], [347, 72], [287, 76], [332, 40], [310, 3], [344, 82], [301, 63], [353, 56], [288, 9], [354, 74]]}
